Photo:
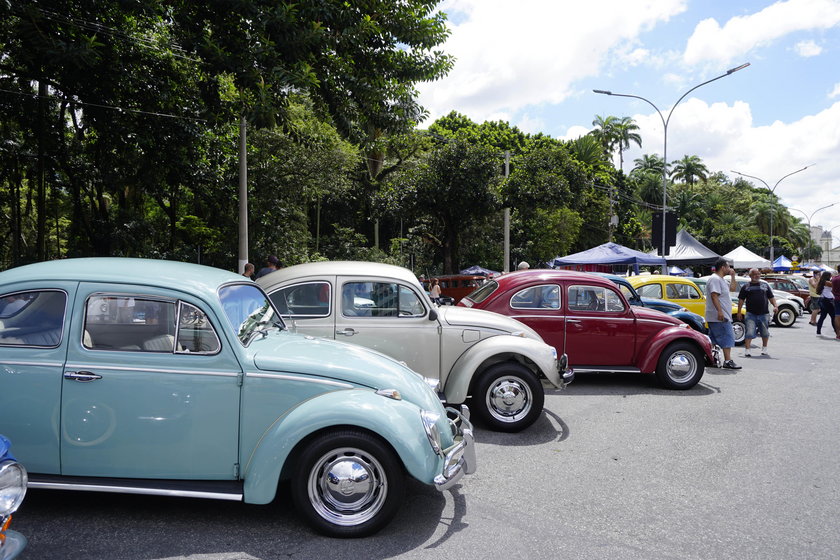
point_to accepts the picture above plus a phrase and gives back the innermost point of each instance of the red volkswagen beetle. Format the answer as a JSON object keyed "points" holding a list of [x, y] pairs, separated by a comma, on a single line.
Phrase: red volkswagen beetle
{"points": [[588, 318]]}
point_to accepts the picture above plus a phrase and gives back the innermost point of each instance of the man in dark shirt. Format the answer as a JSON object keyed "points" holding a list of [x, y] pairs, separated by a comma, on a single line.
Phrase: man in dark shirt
{"points": [[756, 295]]}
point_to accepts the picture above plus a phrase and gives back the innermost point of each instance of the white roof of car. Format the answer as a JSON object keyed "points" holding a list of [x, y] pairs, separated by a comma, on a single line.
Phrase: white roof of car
{"points": [[337, 268]]}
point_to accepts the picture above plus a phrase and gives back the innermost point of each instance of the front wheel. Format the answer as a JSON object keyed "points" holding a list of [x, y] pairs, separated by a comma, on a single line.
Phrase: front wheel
{"points": [[508, 397], [785, 316], [680, 366], [740, 331], [347, 484]]}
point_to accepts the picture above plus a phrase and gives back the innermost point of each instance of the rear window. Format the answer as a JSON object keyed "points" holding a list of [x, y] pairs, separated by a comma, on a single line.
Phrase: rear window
{"points": [[34, 318], [483, 292], [546, 296]]}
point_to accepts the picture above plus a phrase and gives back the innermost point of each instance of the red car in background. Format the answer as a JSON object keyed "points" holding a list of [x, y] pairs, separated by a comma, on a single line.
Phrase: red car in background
{"points": [[588, 318]]}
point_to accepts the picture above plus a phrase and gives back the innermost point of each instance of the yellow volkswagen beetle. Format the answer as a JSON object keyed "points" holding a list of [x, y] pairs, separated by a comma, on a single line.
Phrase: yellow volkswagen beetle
{"points": [[683, 292]]}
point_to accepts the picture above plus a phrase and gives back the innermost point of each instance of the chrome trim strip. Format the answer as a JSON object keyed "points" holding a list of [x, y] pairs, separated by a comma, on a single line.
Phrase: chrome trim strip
{"points": [[153, 370], [45, 364], [135, 490], [300, 378]]}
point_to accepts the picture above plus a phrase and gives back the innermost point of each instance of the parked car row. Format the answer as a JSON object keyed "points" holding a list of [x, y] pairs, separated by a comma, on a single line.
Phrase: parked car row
{"points": [[157, 377]]}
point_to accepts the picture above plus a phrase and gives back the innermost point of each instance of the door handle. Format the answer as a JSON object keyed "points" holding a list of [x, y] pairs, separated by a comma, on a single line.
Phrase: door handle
{"points": [[346, 332], [573, 320], [81, 376]]}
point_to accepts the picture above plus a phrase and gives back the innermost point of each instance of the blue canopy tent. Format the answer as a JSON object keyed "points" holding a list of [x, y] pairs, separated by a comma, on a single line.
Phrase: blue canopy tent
{"points": [[479, 271], [610, 254], [676, 271], [782, 264]]}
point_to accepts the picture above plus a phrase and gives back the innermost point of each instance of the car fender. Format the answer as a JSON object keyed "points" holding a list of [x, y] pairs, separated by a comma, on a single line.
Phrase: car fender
{"points": [[534, 354], [396, 421], [656, 345]]}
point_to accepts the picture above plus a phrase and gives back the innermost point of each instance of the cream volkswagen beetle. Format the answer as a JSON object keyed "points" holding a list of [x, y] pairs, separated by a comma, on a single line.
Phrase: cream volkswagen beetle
{"points": [[498, 361], [166, 378]]}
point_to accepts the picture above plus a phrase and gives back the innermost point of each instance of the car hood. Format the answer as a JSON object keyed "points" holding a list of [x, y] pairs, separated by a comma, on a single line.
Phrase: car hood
{"points": [[480, 319], [286, 352], [654, 315]]}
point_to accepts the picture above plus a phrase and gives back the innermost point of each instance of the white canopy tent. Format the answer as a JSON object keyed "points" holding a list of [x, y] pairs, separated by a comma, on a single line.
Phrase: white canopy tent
{"points": [[741, 257]]}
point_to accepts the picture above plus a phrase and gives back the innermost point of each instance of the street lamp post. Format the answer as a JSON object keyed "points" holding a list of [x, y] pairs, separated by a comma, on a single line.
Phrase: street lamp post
{"points": [[808, 217], [772, 191], [665, 137]]}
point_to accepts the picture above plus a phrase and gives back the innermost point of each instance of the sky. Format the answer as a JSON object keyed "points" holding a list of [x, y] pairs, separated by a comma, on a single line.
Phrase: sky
{"points": [[534, 64]]}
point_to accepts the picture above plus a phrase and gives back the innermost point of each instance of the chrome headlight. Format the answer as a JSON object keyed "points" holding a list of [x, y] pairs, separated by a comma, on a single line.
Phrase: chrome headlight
{"points": [[430, 425], [13, 481]]}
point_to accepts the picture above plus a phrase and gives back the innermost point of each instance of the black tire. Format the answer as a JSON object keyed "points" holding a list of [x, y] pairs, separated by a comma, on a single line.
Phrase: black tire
{"points": [[739, 329], [508, 397], [680, 366], [785, 316], [340, 506]]}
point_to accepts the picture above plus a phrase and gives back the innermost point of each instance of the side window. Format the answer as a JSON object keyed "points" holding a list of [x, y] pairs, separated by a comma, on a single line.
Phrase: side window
{"points": [[303, 300], [33, 318], [693, 292], [115, 322], [651, 291], [380, 299], [537, 297], [594, 298], [195, 333]]}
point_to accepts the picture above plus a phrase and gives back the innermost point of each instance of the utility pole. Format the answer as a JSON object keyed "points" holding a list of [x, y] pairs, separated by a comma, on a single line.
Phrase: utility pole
{"points": [[506, 268], [243, 195]]}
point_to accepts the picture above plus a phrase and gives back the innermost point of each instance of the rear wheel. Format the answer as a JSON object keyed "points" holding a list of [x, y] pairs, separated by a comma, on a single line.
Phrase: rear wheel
{"points": [[680, 366], [785, 316], [347, 484], [508, 397]]}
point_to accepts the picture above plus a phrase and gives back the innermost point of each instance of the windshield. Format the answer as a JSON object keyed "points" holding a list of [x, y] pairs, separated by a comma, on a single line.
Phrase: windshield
{"points": [[248, 310], [483, 292]]}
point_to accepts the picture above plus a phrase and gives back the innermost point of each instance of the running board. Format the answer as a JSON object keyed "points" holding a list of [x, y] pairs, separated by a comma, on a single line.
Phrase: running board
{"points": [[210, 489], [605, 369]]}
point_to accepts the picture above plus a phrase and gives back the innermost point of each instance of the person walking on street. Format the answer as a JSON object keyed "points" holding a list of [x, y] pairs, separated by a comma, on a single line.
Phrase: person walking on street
{"points": [[434, 291], [835, 290], [813, 294], [826, 303], [719, 310], [756, 295]]}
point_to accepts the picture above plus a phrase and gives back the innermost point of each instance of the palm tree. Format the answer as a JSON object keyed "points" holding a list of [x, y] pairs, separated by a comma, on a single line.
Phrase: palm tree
{"points": [[689, 169], [625, 132], [649, 187], [587, 149], [605, 132], [648, 162]]}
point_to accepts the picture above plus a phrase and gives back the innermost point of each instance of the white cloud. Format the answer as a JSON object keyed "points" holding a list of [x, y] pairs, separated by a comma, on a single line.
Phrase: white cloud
{"points": [[807, 49], [510, 56], [835, 92], [724, 137], [739, 35]]}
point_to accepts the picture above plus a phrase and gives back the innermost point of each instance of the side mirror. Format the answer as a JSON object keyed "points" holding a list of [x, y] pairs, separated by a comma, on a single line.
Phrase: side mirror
{"points": [[433, 315]]}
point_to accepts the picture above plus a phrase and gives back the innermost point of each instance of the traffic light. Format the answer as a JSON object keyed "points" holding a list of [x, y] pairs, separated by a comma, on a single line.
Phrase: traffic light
{"points": [[670, 231]]}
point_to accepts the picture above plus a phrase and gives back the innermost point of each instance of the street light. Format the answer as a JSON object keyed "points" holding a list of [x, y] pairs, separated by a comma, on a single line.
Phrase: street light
{"points": [[808, 217], [772, 191], [665, 138]]}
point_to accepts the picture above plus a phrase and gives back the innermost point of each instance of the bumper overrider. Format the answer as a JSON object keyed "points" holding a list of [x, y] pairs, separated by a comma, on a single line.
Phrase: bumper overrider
{"points": [[567, 374], [459, 458]]}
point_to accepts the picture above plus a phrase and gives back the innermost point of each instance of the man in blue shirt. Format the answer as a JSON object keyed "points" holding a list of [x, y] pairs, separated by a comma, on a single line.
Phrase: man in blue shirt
{"points": [[756, 295]]}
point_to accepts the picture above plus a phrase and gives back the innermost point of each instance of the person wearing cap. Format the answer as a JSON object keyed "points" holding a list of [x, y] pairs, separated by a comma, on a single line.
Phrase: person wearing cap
{"points": [[523, 266], [271, 265]]}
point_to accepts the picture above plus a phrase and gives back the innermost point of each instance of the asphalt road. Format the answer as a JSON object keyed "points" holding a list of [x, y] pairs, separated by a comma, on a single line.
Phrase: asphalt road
{"points": [[746, 465]]}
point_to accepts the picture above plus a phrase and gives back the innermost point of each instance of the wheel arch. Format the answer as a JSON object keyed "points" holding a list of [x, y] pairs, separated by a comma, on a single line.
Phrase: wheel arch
{"points": [[664, 338], [397, 423]]}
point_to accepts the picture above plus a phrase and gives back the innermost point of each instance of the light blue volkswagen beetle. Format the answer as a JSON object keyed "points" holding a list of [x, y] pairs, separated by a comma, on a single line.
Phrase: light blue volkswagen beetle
{"points": [[158, 377]]}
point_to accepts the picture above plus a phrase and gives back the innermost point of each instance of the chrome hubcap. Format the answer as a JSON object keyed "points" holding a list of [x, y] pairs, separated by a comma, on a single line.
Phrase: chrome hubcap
{"points": [[681, 366], [509, 399], [347, 486]]}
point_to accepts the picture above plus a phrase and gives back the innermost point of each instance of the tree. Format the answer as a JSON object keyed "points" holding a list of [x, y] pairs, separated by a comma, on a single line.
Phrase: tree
{"points": [[625, 133], [648, 162], [689, 169]]}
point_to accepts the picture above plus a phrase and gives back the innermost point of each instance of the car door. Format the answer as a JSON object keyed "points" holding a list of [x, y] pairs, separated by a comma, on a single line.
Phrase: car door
{"points": [[34, 323], [600, 327], [150, 388], [391, 317], [687, 295], [540, 307], [308, 306]]}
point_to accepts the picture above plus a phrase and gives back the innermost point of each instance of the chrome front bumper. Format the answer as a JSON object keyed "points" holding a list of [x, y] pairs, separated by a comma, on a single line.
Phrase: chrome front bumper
{"points": [[12, 545], [459, 459]]}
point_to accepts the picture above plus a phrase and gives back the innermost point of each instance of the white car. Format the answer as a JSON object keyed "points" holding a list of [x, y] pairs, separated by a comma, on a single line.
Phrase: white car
{"points": [[789, 306], [498, 361]]}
